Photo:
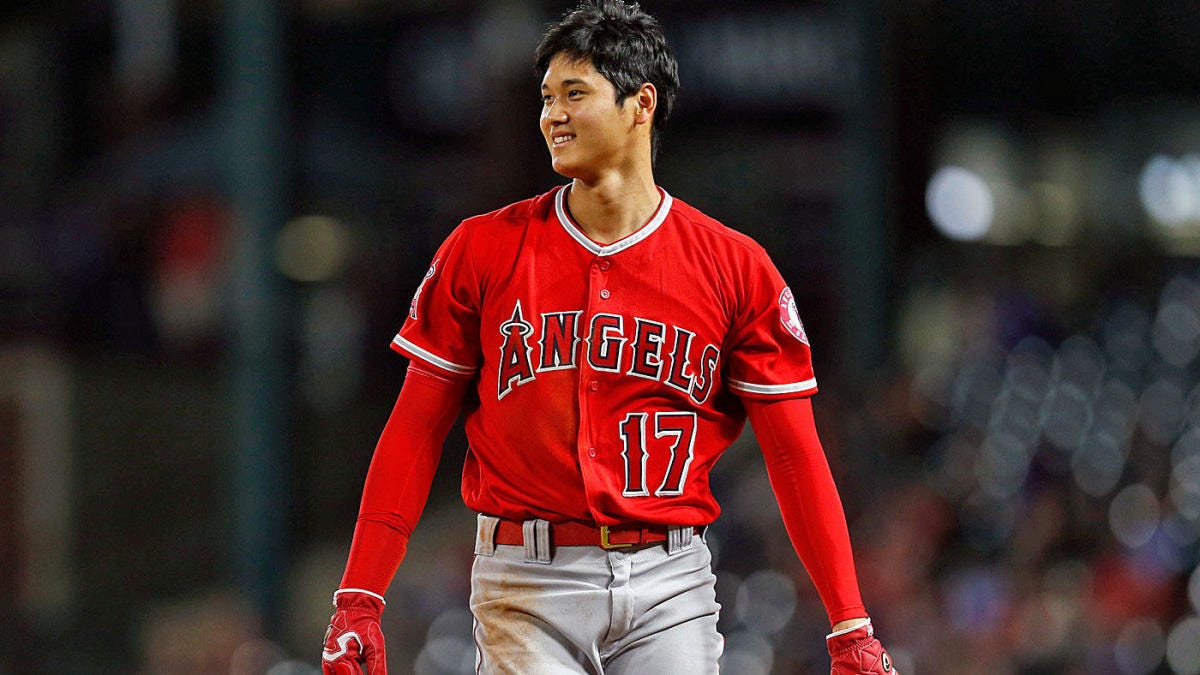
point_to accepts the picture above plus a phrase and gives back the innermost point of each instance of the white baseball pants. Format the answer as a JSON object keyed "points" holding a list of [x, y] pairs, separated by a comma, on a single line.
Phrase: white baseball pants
{"points": [[584, 609]]}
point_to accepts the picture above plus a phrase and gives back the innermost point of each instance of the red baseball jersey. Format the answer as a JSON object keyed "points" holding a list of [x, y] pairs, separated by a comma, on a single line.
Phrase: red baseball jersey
{"points": [[608, 376]]}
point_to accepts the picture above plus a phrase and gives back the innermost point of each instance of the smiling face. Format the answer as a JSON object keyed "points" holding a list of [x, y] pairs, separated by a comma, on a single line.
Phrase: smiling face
{"points": [[587, 132]]}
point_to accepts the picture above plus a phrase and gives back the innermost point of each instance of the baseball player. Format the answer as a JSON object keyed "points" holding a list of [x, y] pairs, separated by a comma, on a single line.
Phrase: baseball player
{"points": [[616, 340]]}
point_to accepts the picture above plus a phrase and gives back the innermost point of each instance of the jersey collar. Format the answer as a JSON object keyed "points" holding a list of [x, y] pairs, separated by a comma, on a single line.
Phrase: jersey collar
{"points": [[572, 228]]}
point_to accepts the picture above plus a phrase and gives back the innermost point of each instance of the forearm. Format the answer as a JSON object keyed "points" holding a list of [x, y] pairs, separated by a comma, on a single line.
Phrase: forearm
{"points": [[809, 502], [400, 475]]}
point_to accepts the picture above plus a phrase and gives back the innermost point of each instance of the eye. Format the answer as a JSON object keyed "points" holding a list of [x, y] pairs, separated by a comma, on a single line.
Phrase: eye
{"points": [[546, 98], [575, 93]]}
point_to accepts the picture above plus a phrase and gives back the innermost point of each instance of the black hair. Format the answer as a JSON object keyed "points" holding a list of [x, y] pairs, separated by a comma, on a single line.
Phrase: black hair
{"points": [[625, 45]]}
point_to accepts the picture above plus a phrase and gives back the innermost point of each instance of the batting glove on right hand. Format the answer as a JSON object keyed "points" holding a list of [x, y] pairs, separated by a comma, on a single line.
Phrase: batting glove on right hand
{"points": [[354, 637], [855, 651]]}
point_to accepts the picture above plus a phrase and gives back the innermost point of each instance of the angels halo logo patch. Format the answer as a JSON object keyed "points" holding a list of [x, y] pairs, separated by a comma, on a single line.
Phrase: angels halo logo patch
{"points": [[789, 317], [412, 307]]}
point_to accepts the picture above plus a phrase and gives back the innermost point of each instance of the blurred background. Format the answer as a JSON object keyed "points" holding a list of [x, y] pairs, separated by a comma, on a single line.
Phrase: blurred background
{"points": [[213, 216]]}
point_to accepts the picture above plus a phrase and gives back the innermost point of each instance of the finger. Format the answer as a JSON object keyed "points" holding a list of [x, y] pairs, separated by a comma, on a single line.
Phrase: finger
{"points": [[377, 664], [376, 653], [343, 666]]}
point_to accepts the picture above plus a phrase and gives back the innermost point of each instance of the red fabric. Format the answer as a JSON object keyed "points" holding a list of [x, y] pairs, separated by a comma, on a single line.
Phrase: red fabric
{"points": [[354, 637], [401, 473], [809, 501], [622, 365]]}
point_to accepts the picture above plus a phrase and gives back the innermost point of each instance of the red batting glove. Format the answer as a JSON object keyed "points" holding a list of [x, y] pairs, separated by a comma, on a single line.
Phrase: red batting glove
{"points": [[354, 637], [855, 651]]}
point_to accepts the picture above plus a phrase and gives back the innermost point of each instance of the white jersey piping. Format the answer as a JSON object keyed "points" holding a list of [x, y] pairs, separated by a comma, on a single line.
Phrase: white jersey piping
{"points": [[572, 228], [433, 358], [768, 389]]}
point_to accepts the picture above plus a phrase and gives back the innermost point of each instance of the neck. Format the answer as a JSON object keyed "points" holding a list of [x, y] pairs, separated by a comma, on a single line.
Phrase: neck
{"points": [[608, 210]]}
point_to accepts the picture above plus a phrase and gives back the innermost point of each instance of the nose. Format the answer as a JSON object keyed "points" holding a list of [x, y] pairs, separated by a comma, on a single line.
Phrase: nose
{"points": [[555, 113]]}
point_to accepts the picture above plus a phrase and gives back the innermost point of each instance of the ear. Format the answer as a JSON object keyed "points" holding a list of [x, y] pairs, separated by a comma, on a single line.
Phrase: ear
{"points": [[646, 100]]}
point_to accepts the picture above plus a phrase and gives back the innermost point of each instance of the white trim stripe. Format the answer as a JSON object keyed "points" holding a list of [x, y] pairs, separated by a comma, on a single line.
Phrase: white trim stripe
{"points": [[572, 228], [432, 358], [359, 590], [343, 643], [858, 623], [792, 388]]}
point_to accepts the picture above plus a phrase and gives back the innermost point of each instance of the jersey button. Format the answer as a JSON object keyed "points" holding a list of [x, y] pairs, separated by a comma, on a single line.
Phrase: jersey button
{"points": [[604, 294], [594, 385], [592, 452], [604, 265]]}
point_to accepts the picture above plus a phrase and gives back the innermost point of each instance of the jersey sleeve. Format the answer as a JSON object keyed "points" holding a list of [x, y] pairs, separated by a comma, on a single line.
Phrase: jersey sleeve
{"points": [[769, 355], [442, 328]]}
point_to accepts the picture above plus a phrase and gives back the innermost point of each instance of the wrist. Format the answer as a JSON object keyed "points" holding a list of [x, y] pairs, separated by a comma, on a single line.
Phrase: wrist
{"points": [[849, 626], [360, 598]]}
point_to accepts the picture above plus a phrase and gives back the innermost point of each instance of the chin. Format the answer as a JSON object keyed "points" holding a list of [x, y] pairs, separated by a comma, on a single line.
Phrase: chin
{"points": [[565, 169]]}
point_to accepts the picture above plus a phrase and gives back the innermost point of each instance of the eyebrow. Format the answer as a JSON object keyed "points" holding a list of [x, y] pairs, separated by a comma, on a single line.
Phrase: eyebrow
{"points": [[566, 83]]}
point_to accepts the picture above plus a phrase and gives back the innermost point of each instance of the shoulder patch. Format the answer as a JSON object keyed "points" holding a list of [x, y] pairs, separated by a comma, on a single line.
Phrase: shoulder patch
{"points": [[412, 307], [790, 317]]}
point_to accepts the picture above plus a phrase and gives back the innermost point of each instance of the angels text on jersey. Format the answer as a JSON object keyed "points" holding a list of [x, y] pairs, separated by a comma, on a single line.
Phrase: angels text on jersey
{"points": [[614, 343]]}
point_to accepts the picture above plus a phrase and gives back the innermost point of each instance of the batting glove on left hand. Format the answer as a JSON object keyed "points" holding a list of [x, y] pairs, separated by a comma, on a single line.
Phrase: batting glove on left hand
{"points": [[354, 637], [855, 651]]}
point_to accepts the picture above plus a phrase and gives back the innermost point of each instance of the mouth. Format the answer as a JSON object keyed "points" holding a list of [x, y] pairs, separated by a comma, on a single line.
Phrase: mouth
{"points": [[560, 140]]}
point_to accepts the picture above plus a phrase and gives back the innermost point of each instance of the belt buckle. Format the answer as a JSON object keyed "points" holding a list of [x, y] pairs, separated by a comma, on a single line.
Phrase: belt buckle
{"points": [[605, 543]]}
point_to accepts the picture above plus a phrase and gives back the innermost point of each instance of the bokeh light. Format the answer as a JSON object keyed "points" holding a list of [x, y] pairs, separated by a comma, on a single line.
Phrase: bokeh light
{"points": [[1183, 647], [1098, 464], [1140, 647], [1134, 515], [1125, 336], [313, 248], [1170, 189], [766, 601], [1162, 411], [449, 647], [747, 651], [1002, 465], [1185, 485], [1193, 589], [960, 203]]}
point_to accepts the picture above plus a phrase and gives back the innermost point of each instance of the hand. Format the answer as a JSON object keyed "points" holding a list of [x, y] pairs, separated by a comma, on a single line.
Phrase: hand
{"points": [[354, 637], [855, 651]]}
